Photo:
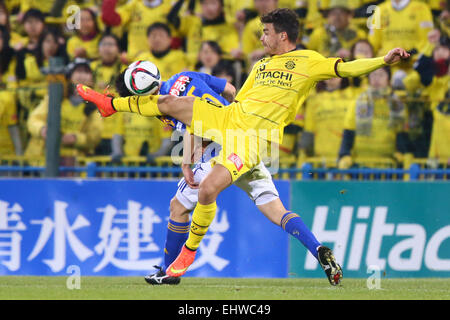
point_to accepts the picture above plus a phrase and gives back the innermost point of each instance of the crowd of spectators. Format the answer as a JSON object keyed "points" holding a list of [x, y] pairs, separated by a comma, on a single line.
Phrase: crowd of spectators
{"points": [[393, 113]]}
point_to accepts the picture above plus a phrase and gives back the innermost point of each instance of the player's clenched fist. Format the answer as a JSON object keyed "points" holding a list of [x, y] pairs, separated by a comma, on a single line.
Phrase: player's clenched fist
{"points": [[395, 55]]}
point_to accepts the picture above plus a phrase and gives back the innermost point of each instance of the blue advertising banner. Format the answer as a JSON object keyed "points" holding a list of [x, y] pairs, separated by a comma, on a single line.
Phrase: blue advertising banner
{"points": [[118, 227], [395, 229]]}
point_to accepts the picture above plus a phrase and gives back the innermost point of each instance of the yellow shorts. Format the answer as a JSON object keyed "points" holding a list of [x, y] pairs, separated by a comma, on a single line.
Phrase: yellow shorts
{"points": [[221, 124]]}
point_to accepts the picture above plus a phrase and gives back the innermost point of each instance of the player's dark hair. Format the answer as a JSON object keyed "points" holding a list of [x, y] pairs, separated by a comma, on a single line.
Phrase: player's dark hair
{"points": [[283, 20], [121, 88], [158, 25]]}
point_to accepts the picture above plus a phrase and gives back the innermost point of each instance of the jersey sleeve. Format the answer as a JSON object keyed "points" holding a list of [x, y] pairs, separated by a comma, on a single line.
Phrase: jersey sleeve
{"points": [[321, 68]]}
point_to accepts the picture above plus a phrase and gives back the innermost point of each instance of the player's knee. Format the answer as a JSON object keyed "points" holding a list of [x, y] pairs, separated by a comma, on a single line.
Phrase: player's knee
{"points": [[177, 211], [166, 103], [207, 192]]}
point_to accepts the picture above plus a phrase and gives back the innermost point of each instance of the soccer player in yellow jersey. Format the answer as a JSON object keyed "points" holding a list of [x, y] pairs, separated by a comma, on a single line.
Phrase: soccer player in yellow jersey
{"points": [[267, 102]]}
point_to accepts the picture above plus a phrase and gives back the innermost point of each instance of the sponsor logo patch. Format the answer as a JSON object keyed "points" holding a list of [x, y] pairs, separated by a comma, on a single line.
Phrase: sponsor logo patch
{"points": [[236, 160]]}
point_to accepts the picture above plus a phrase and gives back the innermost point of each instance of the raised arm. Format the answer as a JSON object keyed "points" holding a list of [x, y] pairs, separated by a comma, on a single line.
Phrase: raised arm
{"points": [[363, 66]]}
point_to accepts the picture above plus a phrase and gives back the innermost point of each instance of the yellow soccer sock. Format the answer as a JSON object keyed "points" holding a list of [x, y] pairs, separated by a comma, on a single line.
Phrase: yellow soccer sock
{"points": [[143, 105], [201, 219]]}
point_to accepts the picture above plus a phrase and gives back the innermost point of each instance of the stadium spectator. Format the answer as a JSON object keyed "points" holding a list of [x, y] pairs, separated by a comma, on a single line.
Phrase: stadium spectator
{"points": [[210, 26], [80, 124], [426, 86], [251, 43], [135, 16], [4, 21], [440, 135], [400, 23], [105, 72], [10, 141], [361, 49], [84, 44], [224, 69], [34, 25], [336, 38], [169, 61], [8, 61], [208, 57], [374, 124], [324, 119]]}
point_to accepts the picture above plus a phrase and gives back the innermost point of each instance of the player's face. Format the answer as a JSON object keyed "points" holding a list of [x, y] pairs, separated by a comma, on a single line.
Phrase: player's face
{"points": [[270, 39]]}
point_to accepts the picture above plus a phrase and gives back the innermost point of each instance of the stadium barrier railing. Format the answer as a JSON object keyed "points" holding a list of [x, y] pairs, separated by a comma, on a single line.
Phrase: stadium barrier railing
{"points": [[365, 169]]}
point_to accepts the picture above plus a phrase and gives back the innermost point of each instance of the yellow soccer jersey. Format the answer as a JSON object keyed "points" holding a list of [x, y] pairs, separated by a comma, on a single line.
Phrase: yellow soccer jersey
{"points": [[324, 117], [168, 65], [376, 126], [406, 28], [276, 88], [137, 17], [440, 135], [8, 117]]}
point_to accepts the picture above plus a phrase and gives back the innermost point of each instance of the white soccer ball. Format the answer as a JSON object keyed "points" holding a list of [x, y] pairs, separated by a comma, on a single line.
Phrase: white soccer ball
{"points": [[142, 78]]}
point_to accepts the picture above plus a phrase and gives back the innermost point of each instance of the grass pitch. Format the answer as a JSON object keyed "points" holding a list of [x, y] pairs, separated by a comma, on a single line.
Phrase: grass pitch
{"points": [[122, 288]]}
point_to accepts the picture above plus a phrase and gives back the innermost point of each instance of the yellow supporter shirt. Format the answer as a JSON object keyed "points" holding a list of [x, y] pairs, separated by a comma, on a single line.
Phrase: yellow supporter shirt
{"points": [[104, 79], [137, 17], [251, 35], [440, 134], [376, 120], [140, 134], [171, 63], [324, 117], [91, 46], [276, 88], [74, 120], [195, 32], [321, 40], [406, 28], [8, 117]]}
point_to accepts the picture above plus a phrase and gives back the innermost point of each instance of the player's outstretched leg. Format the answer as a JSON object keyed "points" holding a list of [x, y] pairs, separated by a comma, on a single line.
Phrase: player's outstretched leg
{"points": [[332, 269], [143, 105]]}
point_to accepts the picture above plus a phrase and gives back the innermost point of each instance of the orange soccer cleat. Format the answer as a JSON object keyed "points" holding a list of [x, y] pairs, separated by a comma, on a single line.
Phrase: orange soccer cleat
{"points": [[102, 101], [181, 263]]}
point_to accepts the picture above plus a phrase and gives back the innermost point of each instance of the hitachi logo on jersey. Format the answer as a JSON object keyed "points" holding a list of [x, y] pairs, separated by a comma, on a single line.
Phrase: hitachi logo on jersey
{"points": [[274, 74], [179, 87]]}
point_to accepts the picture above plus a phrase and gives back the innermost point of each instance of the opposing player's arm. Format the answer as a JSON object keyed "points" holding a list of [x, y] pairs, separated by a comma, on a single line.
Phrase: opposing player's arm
{"points": [[188, 151], [229, 93]]}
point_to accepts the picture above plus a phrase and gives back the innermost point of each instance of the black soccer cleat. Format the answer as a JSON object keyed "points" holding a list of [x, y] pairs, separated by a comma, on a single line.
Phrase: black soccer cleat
{"points": [[332, 269], [161, 278]]}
